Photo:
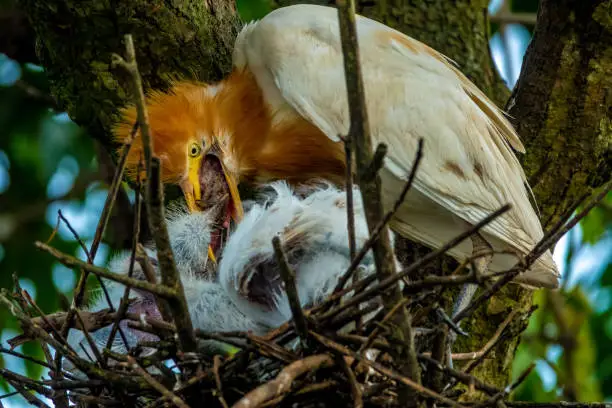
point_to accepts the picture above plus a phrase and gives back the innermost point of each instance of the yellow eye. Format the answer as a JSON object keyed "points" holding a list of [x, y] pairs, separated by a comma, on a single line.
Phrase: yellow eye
{"points": [[195, 150]]}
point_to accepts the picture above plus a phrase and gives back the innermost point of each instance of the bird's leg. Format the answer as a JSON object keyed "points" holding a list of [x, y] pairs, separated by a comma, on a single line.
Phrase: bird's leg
{"points": [[480, 266]]}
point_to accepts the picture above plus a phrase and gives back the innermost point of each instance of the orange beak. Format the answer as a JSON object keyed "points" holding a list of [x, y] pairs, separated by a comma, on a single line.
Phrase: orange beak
{"points": [[193, 193]]}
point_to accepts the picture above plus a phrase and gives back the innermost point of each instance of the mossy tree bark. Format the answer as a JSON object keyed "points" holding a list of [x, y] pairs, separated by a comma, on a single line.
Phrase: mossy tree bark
{"points": [[173, 39], [562, 105]]}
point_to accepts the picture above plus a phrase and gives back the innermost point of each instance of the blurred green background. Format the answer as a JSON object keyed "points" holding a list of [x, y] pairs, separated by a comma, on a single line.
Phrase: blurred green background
{"points": [[47, 163]]}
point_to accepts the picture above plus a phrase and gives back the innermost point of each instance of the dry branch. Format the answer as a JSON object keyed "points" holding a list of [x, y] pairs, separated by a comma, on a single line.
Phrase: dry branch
{"points": [[155, 205], [282, 383], [370, 187]]}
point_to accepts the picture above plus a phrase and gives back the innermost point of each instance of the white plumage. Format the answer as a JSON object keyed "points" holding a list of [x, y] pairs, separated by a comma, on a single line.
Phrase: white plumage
{"points": [[246, 294], [468, 170]]}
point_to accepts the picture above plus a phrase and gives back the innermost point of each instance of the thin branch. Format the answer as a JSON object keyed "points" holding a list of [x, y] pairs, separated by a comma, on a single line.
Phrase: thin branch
{"points": [[90, 341], [376, 331], [491, 402], [64, 350], [378, 159], [75, 235], [155, 204], [545, 243], [356, 260], [24, 357], [348, 185], [283, 381], [426, 392], [218, 383], [427, 282], [482, 353], [288, 277], [466, 379], [502, 17], [123, 304], [352, 379], [32, 400], [72, 262], [156, 384], [359, 131], [79, 292]]}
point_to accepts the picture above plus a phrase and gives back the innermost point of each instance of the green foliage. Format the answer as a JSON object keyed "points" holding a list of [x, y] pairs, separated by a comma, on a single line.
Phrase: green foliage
{"points": [[252, 9]]}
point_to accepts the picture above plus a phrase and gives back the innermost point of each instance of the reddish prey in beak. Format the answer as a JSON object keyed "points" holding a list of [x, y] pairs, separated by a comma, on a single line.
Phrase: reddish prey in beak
{"points": [[209, 187]]}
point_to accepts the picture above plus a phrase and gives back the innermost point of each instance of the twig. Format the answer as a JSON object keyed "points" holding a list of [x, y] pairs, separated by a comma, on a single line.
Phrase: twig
{"points": [[288, 277], [9, 395], [283, 381], [71, 262], [513, 17], [36, 402], [507, 390], [155, 205], [348, 185], [272, 349], [352, 379], [75, 235], [378, 159], [552, 236], [466, 379], [405, 354], [545, 243], [59, 398], [25, 357], [356, 260], [79, 291], [376, 331], [123, 304], [216, 366], [90, 341], [428, 282], [383, 370], [156, 384], [50, 326], [26, 382], [62, 349], [307, 389], [441, 314], [165, 258], [480, 355]]}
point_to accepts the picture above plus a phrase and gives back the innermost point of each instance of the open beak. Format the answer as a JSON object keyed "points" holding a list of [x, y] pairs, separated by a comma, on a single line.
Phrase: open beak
{"points": [[192, 190]]}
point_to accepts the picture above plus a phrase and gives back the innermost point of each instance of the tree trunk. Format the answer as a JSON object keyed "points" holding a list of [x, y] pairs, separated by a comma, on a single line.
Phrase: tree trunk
{"points": [[561, 105]]}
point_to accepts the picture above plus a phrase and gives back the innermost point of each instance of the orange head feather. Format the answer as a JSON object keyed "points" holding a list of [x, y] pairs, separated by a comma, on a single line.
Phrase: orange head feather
{"points": [[176, 119], [211, 115], [232, 120]]}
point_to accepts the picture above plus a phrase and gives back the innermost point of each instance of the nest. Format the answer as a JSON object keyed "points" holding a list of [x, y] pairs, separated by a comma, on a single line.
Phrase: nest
{"points": [[330, 354]]}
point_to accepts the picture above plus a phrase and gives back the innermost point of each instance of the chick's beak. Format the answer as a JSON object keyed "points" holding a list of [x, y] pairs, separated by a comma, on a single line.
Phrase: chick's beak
{"points": [[192, 190]]}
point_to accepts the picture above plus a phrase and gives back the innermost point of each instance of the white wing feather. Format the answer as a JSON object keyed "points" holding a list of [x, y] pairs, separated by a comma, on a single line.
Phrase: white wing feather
{"points": [[468, 170]]}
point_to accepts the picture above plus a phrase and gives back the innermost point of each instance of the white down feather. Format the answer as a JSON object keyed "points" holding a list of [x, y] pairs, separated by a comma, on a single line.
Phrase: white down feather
{"points": [[216, 303]]}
